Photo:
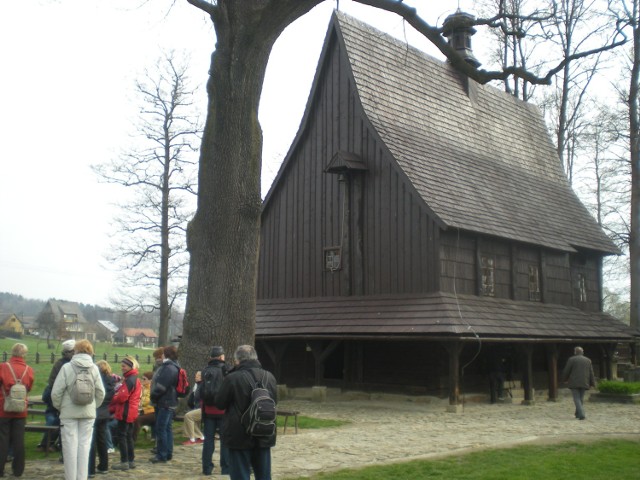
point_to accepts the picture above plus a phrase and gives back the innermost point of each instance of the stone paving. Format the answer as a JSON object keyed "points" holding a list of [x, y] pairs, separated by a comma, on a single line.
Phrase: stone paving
{"points": [[393, 429]]}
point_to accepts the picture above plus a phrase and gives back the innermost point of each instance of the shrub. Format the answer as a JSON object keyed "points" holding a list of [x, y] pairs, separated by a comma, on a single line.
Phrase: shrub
{"points": [[625, 388]]}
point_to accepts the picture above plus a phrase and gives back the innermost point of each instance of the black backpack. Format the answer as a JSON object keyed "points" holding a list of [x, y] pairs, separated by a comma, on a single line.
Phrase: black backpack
{"points": [[259, 418], [212, 377]]}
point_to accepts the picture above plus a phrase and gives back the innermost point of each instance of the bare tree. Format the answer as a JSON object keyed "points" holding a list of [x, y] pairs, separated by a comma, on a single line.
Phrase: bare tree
{"points": [[628, 13], [46, 323], [517, 37], [223, 236], [159, 170], [578, 25]]}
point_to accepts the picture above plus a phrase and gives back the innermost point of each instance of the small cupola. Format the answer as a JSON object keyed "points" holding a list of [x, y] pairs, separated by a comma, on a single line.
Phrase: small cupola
{"points": [[458, 28]]}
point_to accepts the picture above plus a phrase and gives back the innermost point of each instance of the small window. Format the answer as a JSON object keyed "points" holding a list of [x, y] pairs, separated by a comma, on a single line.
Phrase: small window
{"points": [[487, 264], [332, 259], [534, 283], [582, 288]]}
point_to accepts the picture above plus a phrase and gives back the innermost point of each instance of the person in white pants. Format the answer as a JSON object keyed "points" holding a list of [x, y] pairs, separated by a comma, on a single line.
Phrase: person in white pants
{"points": [[193, 418], [76, 421]]}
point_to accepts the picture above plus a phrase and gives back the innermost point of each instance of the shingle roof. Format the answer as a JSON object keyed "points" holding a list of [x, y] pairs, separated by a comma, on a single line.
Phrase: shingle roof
{"points": [[436, 315], [484, 162], [134, 332]]}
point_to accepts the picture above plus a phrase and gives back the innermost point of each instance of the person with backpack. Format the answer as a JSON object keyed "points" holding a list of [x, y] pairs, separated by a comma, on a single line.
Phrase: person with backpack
{"points": [[165, 397], [16, 380], [247, 435], [213, 418], [125, 407], [76, 394], [51, 415]]}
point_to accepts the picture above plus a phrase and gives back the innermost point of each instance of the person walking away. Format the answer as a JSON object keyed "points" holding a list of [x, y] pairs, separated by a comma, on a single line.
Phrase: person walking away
{"points": [[99, 442], [76, 416], [51, 415], [213, 418], [12, 423], [578, 373], [165, 397], [193, 418], [125, 403], [245, 451]]}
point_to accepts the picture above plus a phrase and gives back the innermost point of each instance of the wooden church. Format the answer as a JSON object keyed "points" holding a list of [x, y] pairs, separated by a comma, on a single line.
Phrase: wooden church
{"points": [[420, 227]]}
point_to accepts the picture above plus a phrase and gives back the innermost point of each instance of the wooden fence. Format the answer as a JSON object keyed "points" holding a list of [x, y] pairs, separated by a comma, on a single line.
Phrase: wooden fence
{"points": [[52, 357]]}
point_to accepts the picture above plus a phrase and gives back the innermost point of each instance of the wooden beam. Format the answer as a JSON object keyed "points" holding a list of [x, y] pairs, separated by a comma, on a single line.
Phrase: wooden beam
{"points": [[552, 366], [527, 374], [454, 349], [320, 355]]}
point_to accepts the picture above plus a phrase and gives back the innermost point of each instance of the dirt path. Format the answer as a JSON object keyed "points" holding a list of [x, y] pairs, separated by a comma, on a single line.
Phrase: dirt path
{"points": [[390, 431]]}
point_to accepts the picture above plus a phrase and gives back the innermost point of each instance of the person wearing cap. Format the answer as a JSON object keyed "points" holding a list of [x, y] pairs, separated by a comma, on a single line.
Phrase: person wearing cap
{"points": [[51, 415], [212, 416], [125, 404], [76, 421]]}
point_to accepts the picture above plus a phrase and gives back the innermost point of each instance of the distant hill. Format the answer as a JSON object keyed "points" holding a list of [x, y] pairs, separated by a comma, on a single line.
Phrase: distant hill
{"points": [[21, 306], [29, 307]]}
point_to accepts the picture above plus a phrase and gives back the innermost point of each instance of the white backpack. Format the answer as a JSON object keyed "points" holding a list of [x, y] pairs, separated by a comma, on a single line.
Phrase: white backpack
{"points": [[15, 400]]}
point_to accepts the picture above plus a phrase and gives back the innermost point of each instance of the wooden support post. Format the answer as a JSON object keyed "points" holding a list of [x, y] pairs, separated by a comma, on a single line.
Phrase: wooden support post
{"points": [[527, 375], [608, 359], [320, 355], [276, 353], [552, 366], [454, 349]]}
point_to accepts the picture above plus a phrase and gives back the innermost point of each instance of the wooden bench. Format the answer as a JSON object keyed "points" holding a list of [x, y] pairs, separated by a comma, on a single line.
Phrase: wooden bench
{"points": [[47, 429], [286, 414]]}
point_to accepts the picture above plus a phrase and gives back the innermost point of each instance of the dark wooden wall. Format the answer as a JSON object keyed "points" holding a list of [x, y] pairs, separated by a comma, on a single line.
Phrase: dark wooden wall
{"points": [[460, 256], [403, 248], [304, 213]]}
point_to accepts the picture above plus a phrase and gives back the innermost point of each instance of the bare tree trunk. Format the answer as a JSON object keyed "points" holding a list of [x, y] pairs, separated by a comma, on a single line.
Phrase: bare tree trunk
{"points": [[223, 237], [165, 249]]}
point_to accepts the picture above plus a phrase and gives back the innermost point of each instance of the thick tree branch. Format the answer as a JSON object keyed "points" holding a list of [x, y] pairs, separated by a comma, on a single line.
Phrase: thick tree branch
{"points": [[434, 35]]}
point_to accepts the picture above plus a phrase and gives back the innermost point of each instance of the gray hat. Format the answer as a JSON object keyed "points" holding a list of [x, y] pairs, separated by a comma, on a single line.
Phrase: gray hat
{"points": [[68, 345], [216, 351]]}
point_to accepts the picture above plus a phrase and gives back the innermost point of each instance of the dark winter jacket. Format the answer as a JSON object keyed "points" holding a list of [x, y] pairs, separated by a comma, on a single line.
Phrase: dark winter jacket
{"points": [[235, 396], [126, 400], [217, 367], [46, 394], [579, 372], [108, 382], [163, 388]]}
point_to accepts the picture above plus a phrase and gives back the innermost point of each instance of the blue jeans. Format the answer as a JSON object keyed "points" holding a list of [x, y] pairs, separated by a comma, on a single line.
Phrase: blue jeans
{"points": [[211, 424], [578, 399], [50, 418], [242, 461], [112, 425], [164, 433]]}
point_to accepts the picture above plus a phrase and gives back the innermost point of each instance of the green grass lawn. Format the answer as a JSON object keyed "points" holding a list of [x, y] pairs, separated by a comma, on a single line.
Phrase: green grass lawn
{"points": [[42, 369], [601, 460]]}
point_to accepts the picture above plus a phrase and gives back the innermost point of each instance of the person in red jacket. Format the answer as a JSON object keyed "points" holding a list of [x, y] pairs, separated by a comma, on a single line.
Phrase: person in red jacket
{"points": [[12, 423], [125, 404]]}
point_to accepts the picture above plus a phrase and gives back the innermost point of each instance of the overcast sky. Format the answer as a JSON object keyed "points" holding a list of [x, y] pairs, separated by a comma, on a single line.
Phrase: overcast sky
{"points": [[69, 68]]}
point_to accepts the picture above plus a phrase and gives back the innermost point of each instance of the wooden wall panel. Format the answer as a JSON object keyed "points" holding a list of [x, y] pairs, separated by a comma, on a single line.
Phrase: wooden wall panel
{"points": [[558, 278], [305, 211]]}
